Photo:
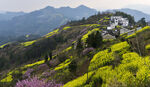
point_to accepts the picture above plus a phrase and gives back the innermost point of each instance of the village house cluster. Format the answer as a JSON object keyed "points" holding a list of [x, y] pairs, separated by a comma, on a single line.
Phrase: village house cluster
{"points": [[112, 31], [117, 20]]}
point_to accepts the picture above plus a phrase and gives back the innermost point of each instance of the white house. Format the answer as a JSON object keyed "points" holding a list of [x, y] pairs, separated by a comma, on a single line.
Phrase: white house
{"points": [[118, 20], [125, 22]]}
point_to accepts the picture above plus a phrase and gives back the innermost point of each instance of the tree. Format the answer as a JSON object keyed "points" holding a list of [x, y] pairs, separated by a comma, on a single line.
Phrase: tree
{"points": [[142, 22], [94, 39], [46, 58], [50, 55], [73, 66]]}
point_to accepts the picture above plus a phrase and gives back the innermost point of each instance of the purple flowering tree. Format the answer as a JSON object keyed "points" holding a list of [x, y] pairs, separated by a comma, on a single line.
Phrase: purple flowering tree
{"points": [[28, 73]]}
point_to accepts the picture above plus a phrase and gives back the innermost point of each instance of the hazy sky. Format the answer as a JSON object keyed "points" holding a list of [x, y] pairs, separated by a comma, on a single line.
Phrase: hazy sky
{"points": [[30, 5]]}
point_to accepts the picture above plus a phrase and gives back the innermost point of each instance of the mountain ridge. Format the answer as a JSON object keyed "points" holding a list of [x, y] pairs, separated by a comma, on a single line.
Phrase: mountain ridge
{"points": [[137, 14], [140, 7], [42, 21]]}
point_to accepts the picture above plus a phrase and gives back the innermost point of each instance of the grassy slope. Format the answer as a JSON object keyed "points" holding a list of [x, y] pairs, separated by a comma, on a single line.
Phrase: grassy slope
{"points": [[114, 66]]}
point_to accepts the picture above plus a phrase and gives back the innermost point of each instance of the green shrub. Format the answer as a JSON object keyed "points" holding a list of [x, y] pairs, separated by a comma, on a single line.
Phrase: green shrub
{"points": [[100, 59], [121, 48], [9, 78], [92, 38], [79, 82], [28, 43], [147, 47], [66, 28], [84, 38]]}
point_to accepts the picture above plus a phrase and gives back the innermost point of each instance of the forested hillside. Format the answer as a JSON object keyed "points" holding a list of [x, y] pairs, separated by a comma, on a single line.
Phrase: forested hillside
{"points": [[79, 55]]}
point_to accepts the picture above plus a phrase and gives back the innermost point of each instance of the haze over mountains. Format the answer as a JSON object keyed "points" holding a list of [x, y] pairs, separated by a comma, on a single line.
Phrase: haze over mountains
{"points": [[44, 20], [9, 15], [139, 7], [137, 14], [40, 22]]}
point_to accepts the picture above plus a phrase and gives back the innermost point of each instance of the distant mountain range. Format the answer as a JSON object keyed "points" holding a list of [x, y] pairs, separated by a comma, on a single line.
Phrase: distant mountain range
{"points": [[41, 21], [139, 7], [137, 14], [9, 15]]}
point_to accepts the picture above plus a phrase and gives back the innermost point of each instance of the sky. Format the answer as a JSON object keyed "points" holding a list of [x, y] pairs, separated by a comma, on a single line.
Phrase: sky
{"points": [[31, 5]]}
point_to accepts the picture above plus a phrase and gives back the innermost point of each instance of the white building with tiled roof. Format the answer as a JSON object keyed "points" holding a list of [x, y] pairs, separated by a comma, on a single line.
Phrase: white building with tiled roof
{"points": [[118, 20]]}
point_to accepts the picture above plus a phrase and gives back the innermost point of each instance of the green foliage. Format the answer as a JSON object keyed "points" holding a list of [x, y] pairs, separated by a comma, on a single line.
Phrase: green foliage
{"points": [[4, 45], [79, 82], [63, 65], [147, 28], [52, 33], [73, 66], [108, 40], [120, 48], [92, 19], [33, 64], [66, 28], [92, 25], [7, 79], [142, 22], [107, 18], [10, 76], [105, 73], [84, 38], [147, 47], [79, 44], [130, 57], [105, 57], [131, 36], [115, 66], [67, 49], [28, 43], [104, 21], [118, 27], [95, 26], [92, 38], [133, 71], [100, 59]]}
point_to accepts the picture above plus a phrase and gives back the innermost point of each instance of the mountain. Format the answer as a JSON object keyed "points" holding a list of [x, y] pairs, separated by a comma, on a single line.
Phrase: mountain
{"points": [[137, 14], [9, 15], [78, 55], [41, 21], [77, 13], [139, 7]]}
